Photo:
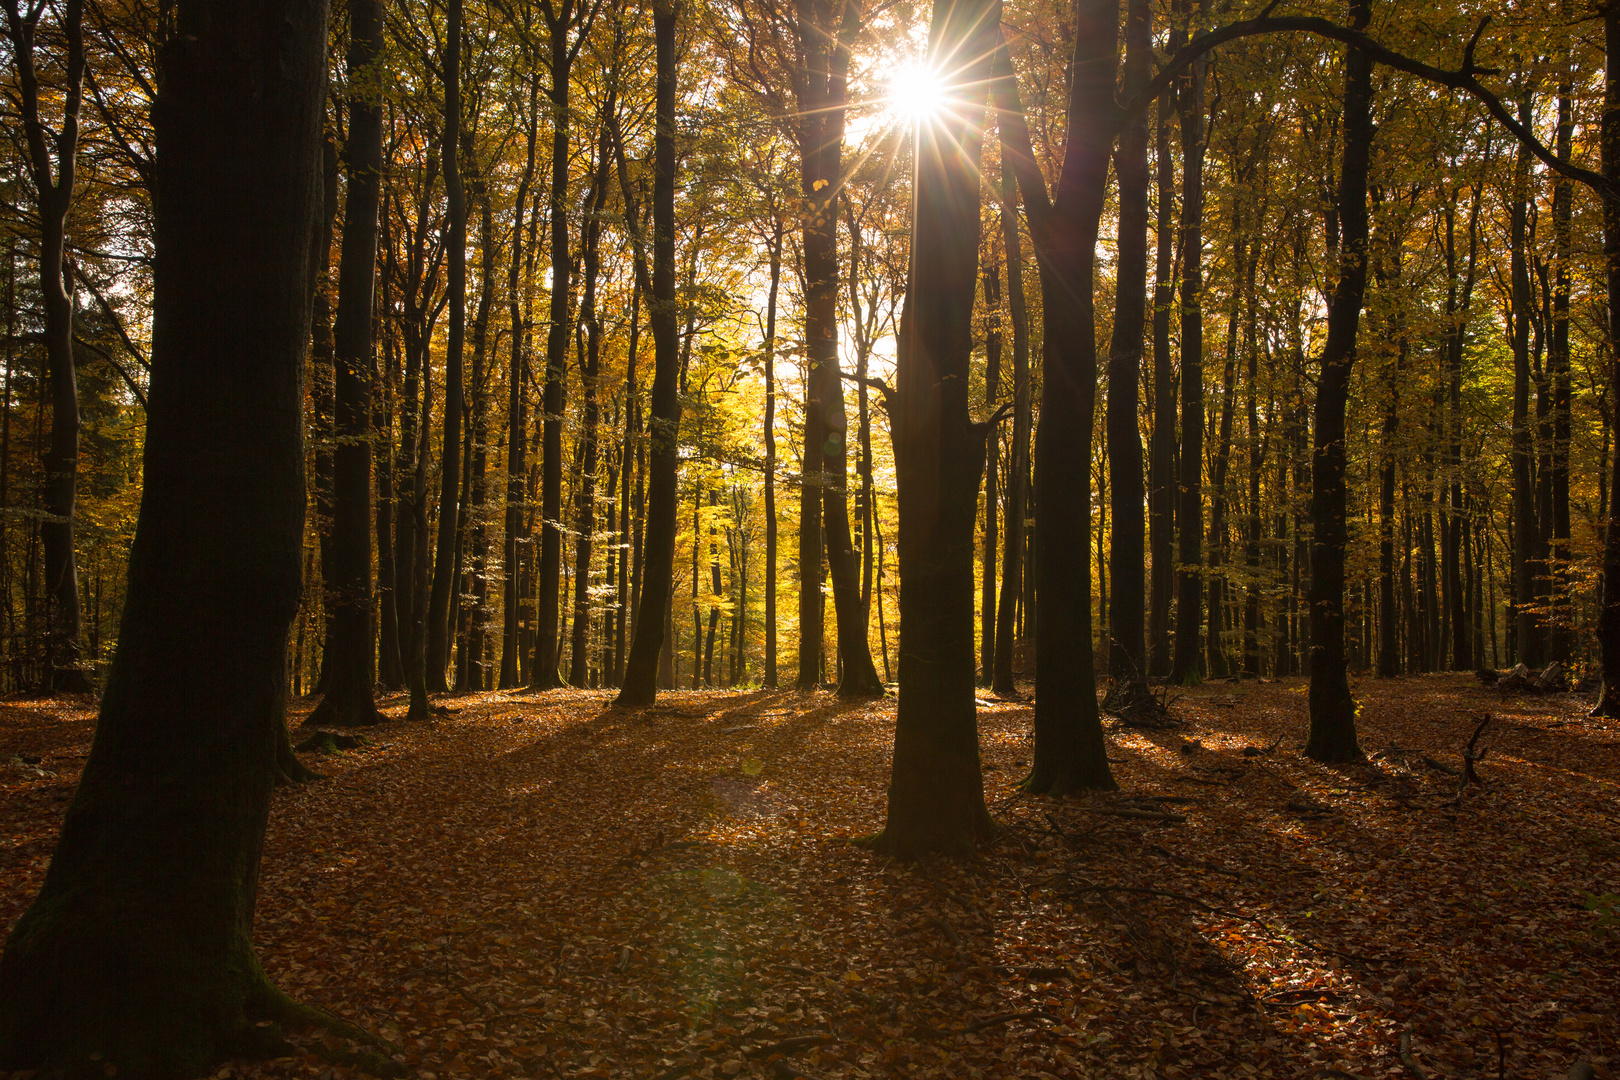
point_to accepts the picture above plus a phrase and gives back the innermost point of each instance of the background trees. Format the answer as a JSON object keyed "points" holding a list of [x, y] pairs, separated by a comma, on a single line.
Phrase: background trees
{"points": [[1477, 421]]}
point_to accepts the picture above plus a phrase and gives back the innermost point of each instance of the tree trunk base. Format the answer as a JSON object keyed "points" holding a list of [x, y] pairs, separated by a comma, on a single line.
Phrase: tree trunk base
{"points": [[1067, 779], [956, 840], [70, 680], [80, 1004], [1332, 738], [338, 709]]}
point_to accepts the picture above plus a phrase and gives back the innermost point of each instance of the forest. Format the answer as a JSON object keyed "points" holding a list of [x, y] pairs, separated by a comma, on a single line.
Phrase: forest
{"points": [[832, 538]]}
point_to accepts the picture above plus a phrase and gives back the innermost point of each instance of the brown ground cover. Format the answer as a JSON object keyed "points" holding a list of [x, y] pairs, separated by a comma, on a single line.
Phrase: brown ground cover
{"points": [[541, 885]]}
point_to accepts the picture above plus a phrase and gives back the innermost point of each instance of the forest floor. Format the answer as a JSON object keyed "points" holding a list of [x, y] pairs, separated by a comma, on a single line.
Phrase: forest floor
{"points": [[542, 885]]}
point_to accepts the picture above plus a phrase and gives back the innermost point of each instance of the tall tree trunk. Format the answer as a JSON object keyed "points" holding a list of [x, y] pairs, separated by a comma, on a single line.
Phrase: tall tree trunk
{"points": [[1012, 559], [827, 32], [585, 505], [1332, 710], [770, 454], [641, 671], [1162, 448], [936, 788], [446, 571], [1608, 628], [547, 645], [1190, 507], [1127, 554], [1070, 753], [130, 956], [517, 470], [992, 388], [1527, 636], [53, 196], [1560, 638], [349, 667]]}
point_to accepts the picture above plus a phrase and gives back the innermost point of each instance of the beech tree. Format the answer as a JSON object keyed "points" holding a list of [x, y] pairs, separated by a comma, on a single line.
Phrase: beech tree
{"points": [[137, 955]]}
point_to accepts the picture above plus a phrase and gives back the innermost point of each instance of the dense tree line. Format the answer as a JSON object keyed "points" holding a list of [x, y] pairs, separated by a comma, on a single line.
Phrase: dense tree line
{"points": [[563, 309]]}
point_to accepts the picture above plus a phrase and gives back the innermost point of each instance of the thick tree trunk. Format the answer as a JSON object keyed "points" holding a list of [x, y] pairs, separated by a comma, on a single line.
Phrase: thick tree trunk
{"points": [[137, 953], [641, 671], [1070, 753], [1127, 554], [349, 667], [1332, 710], [936, 788]]}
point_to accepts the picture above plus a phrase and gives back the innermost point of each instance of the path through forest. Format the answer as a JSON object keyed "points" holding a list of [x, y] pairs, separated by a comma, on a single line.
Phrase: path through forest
{"points": [[542, 885]]}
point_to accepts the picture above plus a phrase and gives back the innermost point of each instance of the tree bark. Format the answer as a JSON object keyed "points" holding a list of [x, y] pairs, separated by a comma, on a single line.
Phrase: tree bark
{"points": [[1012, 559], [1526, 625], [1127, 553], [1608, 629], [517, 469], [1332, 735], [350, 668], [138, 949], [1162, 448], [641, 670], [936, 788], [770, 453], [446, 571], [1190, 507], [53, 196]]}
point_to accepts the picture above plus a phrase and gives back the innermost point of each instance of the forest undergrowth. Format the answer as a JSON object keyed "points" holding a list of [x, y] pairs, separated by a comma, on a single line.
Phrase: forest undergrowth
{"points": [[544, 885]]}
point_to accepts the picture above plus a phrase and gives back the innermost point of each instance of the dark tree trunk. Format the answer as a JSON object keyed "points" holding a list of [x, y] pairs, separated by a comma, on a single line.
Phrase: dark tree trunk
{"points": [[1332, 709], [1526, 626], [446, 568], [936, 788], [1190, 505], [322, 392], [1218, 500], [349, 668], [1070, 753], [1127, 554], [1608, 628], [137, 953], [1560, 636], [1012, 559], [1162, 449], [641, 670], [547, 644], [517, 469], [53, 195]]}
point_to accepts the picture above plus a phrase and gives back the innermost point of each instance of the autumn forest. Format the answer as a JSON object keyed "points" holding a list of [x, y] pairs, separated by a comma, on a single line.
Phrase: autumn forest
{"points": [[831, 538]]}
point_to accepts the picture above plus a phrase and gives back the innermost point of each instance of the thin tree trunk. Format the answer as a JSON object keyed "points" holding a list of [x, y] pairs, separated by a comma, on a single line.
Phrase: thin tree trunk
{"points": [[349, 666], [1127, 553], [53, 196], [1012, 560], [641, 671], [1525, 623], [1332, 710], [770, 453], [1189, 511], [1162, 448]]}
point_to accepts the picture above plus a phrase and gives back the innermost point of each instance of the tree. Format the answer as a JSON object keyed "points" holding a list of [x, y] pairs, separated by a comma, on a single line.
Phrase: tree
{"points": [[350, 666], [1332, 710], [137, 953], [936, 788], [53, 197], [446, 572], [658, 568], [1070, 753]]}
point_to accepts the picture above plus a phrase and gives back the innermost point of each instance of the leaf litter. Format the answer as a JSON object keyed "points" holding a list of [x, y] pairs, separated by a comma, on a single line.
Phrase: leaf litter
{"points": [[546, 886]]}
